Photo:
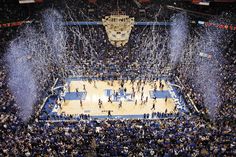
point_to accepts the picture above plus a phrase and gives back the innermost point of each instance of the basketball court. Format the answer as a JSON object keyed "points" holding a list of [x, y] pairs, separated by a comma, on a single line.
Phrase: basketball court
{"points": [[126, 99]]}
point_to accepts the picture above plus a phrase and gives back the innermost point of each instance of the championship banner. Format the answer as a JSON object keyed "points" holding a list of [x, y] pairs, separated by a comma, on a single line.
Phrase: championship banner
{"points": [[13, 24], [200, 2], [220, 26], [30, 1]]}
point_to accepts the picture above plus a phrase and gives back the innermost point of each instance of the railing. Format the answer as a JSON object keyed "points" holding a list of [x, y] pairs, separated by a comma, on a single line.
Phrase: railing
{"points": [[45, 100], [188, 96]]}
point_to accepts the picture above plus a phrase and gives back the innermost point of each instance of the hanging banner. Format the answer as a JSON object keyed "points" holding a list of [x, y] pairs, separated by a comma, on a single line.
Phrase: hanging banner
{"points": [[199, 2], [221, 26], [30, 1], [13, 24]]}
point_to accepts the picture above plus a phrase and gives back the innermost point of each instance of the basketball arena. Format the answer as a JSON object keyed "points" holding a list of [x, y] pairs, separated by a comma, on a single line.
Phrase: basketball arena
{"points": [[122, 78]]}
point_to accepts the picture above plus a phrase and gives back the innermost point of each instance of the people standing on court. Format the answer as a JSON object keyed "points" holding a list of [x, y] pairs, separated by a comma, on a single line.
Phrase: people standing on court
{"points": [[175, 109], [116, 95], [109, 99], [100, 103], [81, 103], [109, 113], [84, 87], [120, 104], [125, 90], [141, 96], [166, 99], [94, 84], [153, 106], [77, 91], [161, 86]]}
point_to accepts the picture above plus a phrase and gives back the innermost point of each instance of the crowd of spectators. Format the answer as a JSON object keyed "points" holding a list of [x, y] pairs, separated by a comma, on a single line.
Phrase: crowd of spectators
{"points": [[227, 94], [182, 136], [96, 12], [10, 13], [135, 59]]}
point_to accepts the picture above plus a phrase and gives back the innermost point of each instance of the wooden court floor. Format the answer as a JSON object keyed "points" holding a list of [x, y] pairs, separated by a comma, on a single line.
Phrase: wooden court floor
{"points": [[96, 90]]}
